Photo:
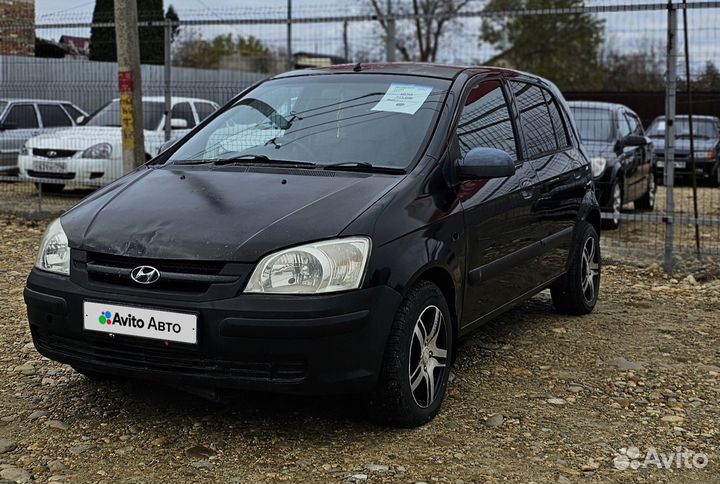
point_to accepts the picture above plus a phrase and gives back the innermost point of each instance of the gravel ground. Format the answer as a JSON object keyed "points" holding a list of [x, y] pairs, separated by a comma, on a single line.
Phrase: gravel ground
{"points": [[535, 397]]}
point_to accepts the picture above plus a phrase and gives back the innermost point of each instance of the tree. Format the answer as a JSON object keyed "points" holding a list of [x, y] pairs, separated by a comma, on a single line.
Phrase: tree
{"points": [[152, 39], [564, 48], [642, 70], [224, 50], [419, 37], [709, 79]]}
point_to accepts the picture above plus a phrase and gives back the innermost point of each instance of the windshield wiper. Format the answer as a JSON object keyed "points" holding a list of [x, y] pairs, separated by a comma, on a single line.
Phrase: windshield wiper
{"points": [[260, 160], [361, 166]]}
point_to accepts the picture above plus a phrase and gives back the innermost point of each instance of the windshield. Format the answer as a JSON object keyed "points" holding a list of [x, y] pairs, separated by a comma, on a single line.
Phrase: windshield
{"points": [[109, 115], [593, 124], [378, 119], [702, 128]]}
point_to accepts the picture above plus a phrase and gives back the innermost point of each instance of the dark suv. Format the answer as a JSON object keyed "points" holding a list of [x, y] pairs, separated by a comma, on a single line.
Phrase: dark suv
{"points": [[706, 130], [620, 155], [328, 230]]}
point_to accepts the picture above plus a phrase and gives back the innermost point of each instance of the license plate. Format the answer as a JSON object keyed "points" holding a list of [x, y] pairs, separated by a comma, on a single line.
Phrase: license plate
{"points": [[677, 164], [140, 322], [50, 166]]}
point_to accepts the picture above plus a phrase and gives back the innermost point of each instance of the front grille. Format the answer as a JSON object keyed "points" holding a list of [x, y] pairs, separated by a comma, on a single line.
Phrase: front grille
{"points": [[52, 153], [154, 355], [50, 174], [175, 275]]}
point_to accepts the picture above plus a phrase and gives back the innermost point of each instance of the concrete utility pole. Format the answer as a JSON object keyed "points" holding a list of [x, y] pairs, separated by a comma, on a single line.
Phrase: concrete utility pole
{"points": [[390, 38], [670, 99], [290, 63], [129, 82]]}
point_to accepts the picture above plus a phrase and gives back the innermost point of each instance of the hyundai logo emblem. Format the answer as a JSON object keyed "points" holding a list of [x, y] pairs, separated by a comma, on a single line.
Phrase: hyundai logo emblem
{"points": [[145, 275], [52, 154]]}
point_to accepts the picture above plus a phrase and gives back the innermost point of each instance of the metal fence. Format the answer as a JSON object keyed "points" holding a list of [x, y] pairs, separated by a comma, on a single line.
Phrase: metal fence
{"points": [[656, 59]]}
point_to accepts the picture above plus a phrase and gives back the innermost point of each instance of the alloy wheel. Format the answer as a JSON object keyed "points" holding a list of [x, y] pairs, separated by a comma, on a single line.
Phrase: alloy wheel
{"points": [[428, 356], [590, 269]]}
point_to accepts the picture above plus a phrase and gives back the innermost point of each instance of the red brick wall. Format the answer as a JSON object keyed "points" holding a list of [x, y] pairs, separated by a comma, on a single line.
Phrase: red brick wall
{"points": [[13, 40]]}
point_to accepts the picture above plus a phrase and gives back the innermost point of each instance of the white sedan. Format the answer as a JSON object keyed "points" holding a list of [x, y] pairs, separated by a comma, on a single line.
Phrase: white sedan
{"points": [[91, 155]]}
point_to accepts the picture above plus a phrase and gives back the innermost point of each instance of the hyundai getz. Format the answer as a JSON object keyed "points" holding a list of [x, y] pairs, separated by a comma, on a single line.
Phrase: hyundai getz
{"points": [[329, 230]]}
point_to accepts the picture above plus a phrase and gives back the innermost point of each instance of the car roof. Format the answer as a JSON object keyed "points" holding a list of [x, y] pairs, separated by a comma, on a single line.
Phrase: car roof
{"points": [[598, 105], [28, 100], [426, 69], [702, 117]]}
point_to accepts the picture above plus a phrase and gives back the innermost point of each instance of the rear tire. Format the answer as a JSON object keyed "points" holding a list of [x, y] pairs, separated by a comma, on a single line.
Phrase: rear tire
{"points": [[647, 201], [416, 364], [616, 203], [50, 187], [577, 291]]}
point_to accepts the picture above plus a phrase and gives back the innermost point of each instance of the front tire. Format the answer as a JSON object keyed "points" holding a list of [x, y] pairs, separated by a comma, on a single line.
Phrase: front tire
{"points": [[416, 365], [647, 201], [616, 203], [577, 291]]}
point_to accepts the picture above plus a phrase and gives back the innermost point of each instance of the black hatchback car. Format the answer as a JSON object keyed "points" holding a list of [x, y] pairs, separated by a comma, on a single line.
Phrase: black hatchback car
{"points": [[621, 156], [329, 230]]}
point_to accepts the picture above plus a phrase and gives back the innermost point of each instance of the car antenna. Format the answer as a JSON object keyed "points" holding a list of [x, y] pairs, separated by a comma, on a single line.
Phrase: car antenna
{"points": [[358, 67]]}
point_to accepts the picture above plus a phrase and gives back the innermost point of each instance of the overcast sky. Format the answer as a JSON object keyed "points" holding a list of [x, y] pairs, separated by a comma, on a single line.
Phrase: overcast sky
{"points": [[625, 31]]}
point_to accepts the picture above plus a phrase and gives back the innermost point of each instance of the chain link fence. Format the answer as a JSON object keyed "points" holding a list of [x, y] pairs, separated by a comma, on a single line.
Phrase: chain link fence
{"points": [[625, 66]]}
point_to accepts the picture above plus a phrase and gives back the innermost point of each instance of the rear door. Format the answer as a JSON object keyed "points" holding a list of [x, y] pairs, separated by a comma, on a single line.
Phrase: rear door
{"points": [[559, 169], [498, 212]]}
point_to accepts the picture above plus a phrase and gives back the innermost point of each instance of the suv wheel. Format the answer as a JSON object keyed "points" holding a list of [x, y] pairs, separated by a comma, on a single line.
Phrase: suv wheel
{"points": [[647, 201], [616, 203], [416, 364], [577, 291]]}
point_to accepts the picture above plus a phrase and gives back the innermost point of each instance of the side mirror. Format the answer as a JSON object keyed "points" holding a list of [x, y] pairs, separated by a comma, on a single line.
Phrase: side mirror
{"points": [[80, 120], [484, 163], [7, 126], [634, 140], [178, 123]]}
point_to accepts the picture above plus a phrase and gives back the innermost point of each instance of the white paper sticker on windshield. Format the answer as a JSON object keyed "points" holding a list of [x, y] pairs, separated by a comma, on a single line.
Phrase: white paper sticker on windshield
{"points": [[403, 98]]}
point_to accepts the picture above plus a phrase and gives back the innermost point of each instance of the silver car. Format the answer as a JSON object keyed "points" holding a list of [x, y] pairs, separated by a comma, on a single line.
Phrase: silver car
{"points": [[21, 119]]}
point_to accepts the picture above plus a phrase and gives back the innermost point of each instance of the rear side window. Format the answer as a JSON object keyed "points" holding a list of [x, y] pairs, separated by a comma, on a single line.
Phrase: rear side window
{"points": [[73, 111], [204, 110], [22, 116], [53, 116], [184, 111], [561, 134], [485, 120], [535, 119]]}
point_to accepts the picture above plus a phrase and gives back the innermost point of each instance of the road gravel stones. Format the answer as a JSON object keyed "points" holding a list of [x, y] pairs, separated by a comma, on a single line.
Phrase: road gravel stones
{"points": [[641, 371]]}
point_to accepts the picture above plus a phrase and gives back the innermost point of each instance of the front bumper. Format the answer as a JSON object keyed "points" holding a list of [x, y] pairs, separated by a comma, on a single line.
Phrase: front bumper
{"points": [[294, 344], [81, 171]]}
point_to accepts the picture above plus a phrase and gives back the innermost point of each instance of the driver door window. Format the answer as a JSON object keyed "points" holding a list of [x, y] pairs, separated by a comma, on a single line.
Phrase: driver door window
{"points": [[183, 111], [22, 116]]}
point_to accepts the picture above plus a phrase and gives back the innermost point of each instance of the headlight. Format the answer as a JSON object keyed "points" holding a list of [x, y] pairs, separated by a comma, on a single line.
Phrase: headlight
{"points": [[100, 151], [54, 253], [598, 165], [25, 150], [320, 267], [704, 155]]}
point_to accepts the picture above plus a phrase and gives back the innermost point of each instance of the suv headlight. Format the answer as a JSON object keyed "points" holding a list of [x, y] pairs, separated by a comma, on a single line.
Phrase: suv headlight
{"points": [[320, 267], [598, 165], [100, 151], [54, 253], [25, 150]]}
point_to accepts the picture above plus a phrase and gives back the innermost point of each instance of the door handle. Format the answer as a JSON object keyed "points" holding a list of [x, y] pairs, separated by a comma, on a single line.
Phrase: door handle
{"points": [[526, 189]]}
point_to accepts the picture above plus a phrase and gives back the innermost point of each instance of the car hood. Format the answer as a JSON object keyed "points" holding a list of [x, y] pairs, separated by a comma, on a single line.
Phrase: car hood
{"points": [[600, 148], [682, 145], [229, 214], [80, 137]]}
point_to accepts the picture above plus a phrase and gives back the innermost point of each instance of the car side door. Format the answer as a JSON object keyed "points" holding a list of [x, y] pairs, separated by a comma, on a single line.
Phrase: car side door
{"points": [[498, 212], [559, 168], [22, 118], [641, 157]]}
